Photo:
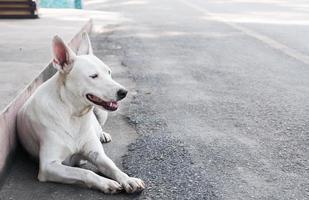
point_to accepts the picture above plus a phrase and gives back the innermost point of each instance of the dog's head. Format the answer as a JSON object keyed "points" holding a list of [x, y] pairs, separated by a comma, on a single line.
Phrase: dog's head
{"points": [[85, 76]]}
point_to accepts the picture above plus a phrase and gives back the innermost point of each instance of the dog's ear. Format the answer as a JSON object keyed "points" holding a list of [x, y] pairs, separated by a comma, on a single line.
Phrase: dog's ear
{"points": [[85, 47], [63, 56]]}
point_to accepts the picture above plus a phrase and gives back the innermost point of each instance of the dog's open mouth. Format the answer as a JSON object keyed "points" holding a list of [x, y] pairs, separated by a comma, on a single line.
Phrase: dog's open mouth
{"points": [[111, 105]]}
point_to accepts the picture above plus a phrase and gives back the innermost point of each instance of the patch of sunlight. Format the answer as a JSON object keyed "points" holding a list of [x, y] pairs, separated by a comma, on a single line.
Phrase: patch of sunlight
{"points": [[283, 18], [86, 3], [137, 2], [80, 15], [176, 33], [248, 1]]}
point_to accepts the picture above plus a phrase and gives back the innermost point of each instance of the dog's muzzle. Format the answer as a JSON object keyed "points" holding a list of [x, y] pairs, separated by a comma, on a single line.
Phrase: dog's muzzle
{"points": [[108, 105], [121, 94]]}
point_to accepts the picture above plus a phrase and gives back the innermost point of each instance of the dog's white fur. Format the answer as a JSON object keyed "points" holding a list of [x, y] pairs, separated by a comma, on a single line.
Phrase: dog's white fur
{"points": [[60, 126]]}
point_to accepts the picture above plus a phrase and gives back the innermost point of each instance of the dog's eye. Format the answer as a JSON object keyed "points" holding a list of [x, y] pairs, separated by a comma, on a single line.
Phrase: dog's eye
{"points": [[109, 72], [94, 76]]}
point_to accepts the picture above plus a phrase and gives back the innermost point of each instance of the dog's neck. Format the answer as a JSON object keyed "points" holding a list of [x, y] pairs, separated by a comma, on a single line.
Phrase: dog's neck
{"points": [[77, 108]]}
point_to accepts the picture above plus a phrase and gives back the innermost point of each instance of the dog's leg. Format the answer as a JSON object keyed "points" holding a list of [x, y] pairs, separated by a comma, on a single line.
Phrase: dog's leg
{"points": [[101, 116], [96, 155], [52, 169], [75, 161]]}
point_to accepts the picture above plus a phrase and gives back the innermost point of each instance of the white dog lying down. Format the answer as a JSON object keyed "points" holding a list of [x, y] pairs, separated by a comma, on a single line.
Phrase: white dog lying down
{"points": [[57, 124]]}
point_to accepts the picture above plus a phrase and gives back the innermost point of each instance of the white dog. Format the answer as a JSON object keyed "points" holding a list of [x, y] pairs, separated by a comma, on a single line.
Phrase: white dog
{"points": [[57, 124]]}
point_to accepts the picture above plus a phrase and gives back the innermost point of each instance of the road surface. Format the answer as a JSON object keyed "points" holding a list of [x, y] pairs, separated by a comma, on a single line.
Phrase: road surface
{"points": [[222, 106]]}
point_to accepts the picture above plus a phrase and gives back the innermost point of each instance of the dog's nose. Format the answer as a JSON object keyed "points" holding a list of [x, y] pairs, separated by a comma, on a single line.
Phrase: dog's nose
{"points": [[122, 93]]}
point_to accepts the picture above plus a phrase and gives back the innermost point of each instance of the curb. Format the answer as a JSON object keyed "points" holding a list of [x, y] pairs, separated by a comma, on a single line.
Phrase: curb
{"points": [[8, 139]]}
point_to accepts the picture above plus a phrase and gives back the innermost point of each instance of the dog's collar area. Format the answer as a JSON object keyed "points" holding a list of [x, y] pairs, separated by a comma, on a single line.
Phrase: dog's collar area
{"points": [[84, 111], [108, 105]]}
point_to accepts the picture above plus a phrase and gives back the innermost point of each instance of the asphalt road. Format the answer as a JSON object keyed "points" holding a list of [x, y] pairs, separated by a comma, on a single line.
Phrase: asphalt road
{"points": [[222, 96], [218, 105]]}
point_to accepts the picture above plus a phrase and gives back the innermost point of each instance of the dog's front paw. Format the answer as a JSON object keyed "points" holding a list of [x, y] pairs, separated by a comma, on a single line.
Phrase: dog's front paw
{"points": [[110, 187], [132, 185], [105, 137]]}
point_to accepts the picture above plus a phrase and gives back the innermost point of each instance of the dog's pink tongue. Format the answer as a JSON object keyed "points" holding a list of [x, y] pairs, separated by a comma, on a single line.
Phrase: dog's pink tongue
{"points": [[113, 104]]}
